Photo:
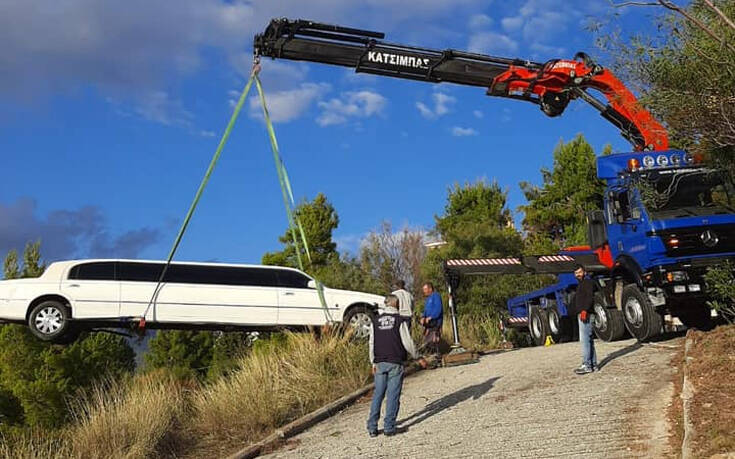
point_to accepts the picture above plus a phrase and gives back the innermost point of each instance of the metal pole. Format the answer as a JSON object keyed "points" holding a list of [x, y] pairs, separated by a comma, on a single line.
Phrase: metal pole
{"points": [[453, 311]]}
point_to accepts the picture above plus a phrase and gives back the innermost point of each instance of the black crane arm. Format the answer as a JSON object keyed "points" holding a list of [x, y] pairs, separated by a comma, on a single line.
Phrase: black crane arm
{"points": [[551, 85]]}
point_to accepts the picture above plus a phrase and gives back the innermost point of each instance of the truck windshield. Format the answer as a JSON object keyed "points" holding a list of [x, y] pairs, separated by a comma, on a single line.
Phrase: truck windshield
{"points": [[687, 192]]}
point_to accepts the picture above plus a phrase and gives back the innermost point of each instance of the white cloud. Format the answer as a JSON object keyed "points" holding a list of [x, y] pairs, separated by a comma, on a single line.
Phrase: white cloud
{"points": [[442, 105], [478, 21], [511, 24], [114, 46], [205, 133], [492, 42], [478, 114], [287, 105], [359, 104], [128, 50], [160, 107], [458, 131], [548, 51], [506, 116]]}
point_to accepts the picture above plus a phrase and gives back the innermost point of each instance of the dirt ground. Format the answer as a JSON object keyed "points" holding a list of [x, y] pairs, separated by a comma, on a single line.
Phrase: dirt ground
{"points": [[521, 403], [711, 368]]}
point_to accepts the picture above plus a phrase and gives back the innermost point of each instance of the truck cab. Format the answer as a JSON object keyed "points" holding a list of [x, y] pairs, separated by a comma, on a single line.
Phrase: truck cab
{"points": [[667, 217]]}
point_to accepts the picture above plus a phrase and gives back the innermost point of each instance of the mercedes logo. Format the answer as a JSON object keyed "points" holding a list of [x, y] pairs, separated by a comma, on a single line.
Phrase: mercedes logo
{"points": [[709, 238]]}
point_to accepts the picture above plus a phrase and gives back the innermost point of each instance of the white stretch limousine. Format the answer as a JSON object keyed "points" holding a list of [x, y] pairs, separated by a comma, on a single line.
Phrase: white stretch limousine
{"points": [[72, 296]]}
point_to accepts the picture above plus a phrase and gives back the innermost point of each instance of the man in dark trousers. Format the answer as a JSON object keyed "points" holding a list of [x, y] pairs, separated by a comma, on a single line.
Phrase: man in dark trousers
{"points": [[432, 318], [584, 307], [390, 345]]}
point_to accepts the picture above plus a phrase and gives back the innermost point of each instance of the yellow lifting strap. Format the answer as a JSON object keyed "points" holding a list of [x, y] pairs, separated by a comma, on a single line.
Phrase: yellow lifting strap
{"points": [[288, 199]]}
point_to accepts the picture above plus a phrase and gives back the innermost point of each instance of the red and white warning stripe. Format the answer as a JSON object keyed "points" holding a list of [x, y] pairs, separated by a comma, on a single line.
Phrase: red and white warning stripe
{"points": [[485, 262], [517, 320], [555, 259]]}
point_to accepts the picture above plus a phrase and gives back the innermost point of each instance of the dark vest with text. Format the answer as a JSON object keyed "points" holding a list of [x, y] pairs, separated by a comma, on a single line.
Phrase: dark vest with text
{"points": [[387, 345]]}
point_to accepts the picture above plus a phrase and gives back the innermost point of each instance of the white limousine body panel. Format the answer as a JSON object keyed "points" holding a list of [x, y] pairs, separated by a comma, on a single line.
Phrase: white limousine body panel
{"points": [[194, 293]]}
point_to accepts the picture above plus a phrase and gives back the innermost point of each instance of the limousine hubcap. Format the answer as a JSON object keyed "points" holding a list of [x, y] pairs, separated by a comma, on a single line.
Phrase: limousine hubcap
{"points": [[361, 324], [49, 320]]}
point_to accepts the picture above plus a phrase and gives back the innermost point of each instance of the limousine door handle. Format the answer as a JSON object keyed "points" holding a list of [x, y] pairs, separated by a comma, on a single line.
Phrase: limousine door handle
{"points": [[288, 293], [74, 285]]}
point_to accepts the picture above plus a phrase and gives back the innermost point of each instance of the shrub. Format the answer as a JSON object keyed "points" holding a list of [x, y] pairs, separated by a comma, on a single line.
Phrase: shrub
{"points": [[721, 285]]}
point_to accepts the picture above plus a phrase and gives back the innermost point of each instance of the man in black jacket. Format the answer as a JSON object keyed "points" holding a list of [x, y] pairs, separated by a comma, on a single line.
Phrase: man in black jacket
{"points": [[584, 302]]}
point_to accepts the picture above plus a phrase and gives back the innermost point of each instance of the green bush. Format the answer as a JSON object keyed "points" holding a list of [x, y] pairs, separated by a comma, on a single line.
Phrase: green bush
{"points": [[36, 378], [721, 285]]}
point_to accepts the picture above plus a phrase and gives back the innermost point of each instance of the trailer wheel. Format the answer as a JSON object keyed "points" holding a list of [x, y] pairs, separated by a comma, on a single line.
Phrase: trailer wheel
{"points": [[607, 322], [538, 325], [641, 318], [560, 327]]}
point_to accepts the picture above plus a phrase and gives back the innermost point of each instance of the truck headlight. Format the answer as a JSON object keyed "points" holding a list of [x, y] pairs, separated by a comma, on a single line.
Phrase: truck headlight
{"points": [[677, 276]]}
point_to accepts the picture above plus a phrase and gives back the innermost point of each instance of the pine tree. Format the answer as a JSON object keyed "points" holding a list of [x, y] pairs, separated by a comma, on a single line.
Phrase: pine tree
{"points": [[11, 270], [319, 220]]}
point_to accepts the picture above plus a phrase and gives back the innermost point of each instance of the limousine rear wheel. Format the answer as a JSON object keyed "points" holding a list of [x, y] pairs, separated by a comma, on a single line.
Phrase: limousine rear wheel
{"points": [[50, 320], [359, 319]]}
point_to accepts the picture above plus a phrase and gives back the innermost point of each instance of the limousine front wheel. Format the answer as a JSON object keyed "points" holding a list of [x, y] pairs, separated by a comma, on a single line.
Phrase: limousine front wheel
{"points": [[49, 320]]}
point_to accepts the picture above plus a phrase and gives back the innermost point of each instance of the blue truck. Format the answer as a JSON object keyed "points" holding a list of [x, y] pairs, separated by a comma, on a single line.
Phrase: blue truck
{"points": [[667, 217]]}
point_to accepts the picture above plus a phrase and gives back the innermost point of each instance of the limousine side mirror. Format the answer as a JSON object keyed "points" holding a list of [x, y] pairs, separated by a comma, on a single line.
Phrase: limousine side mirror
{"points": [[311, 284]]}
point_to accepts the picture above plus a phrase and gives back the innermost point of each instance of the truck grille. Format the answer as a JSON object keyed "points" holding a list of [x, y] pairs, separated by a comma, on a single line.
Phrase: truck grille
{"points": [[700, 240]]}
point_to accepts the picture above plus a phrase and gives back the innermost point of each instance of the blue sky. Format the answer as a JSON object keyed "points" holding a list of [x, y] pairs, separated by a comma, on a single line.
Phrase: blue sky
{"points": [[110, 112]]}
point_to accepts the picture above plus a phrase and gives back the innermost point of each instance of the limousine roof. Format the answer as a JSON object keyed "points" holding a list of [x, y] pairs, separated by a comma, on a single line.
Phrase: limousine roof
{"points": [[57, 268]]}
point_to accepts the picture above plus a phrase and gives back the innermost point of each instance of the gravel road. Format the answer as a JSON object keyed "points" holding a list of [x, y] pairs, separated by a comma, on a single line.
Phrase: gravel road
{"points": [[521, 403]]}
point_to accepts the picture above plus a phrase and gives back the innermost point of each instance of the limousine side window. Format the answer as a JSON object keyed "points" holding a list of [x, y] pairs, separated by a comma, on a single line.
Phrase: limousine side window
{"points": [[195, 274], [101, 270], [139, 272], [292, 279]]}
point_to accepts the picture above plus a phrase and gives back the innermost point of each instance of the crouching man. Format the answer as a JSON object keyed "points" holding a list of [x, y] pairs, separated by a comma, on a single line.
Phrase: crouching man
{"points": [[390, 346]]}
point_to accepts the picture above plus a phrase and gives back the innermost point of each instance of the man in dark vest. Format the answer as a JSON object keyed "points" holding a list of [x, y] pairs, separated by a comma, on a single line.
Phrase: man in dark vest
{"points": [[584, 304], [390, 346]]}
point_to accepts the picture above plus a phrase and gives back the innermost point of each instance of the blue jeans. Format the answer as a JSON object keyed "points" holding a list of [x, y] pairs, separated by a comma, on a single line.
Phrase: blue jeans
{"points": [[388, 383], [589, 356]]}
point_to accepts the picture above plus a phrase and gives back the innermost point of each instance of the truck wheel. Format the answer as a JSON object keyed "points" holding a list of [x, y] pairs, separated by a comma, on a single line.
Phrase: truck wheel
{"points": [[538, 325], [559, 327], [641, 318], [50, 321], [697, 317], [607, 322]]}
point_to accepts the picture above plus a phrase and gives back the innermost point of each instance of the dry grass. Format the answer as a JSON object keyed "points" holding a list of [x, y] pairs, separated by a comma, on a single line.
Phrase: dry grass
{"points": [[35, 445], [130, 420], [121, 419], [479, 332], [275, 386], [712, 369], [156, 415]]}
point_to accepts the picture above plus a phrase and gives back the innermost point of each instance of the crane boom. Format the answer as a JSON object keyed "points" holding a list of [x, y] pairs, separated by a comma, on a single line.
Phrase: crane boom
{"points": [[551, 85]]}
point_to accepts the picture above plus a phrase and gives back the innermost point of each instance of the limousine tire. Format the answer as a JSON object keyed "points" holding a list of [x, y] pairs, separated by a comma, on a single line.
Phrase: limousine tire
{"points": [[50, 320], [359, 319]]}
